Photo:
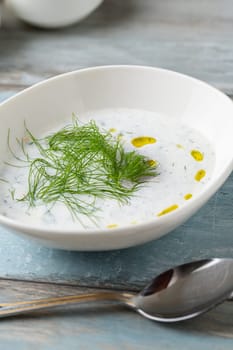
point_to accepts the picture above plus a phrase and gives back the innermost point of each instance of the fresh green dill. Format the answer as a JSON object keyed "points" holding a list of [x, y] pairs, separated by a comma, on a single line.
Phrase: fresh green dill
{"points": [[12, 193], [80, 163]]}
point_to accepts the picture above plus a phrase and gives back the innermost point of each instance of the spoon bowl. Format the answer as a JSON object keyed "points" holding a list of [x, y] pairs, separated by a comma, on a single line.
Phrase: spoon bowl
{"points": [[178, 294], [187, 290]]}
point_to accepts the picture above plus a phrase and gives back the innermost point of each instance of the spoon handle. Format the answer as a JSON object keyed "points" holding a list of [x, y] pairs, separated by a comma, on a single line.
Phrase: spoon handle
{"points": [[22, 307]]}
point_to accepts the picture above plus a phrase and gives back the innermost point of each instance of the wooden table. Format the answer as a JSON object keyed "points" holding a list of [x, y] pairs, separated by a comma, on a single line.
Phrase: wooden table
{"points": [[193, 37]]}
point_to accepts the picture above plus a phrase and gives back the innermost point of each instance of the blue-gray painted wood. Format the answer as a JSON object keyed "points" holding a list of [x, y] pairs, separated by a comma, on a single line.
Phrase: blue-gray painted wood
{"points": [[193, 37], [111, 328], [103, 326]]}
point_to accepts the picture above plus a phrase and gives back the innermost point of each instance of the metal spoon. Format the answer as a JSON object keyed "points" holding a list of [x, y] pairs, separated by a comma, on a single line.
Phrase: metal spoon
{"points": [[178, 294]]}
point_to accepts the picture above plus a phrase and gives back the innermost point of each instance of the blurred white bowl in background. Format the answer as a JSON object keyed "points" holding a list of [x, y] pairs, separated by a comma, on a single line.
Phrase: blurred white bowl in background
{"points": [[52, 13]]}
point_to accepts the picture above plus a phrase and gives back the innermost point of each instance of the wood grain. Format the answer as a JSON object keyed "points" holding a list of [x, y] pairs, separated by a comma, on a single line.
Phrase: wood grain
{"points": [[102, 326], [190, 37]]}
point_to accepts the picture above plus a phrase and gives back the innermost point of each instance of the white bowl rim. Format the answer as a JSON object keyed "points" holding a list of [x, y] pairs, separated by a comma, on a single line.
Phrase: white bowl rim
{"points": [[182, 212]]}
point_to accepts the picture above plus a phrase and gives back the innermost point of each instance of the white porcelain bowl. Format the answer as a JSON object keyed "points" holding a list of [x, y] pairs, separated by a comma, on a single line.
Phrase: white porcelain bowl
{"points": [[181, 101], [52, 13]]}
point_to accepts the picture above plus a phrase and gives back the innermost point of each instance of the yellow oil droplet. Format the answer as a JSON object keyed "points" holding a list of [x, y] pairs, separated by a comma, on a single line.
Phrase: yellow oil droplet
{"points": [[152, 162], [197, 155], [179, 146], [143, 141], [134, 222], [200, 174], [112, 226], [188, 196], [112, 130], [168, 210]]}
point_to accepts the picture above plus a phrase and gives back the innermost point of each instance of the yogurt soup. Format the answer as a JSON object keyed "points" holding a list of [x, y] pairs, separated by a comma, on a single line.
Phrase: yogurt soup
{"points": [[185, 163]]}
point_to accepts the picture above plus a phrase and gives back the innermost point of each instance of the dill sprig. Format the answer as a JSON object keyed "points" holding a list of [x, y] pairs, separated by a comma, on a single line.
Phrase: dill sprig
{"points": [[78, 164]]}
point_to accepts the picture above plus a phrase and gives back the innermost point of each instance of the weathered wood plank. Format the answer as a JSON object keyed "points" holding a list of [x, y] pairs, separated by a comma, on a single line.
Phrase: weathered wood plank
{"points": [[102, 326], [6, 92], [193, 38]]}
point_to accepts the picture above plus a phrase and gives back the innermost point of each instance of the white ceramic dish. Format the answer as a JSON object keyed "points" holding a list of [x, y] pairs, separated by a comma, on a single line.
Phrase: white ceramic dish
{"points": [[52, 13], [178, 99]]}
